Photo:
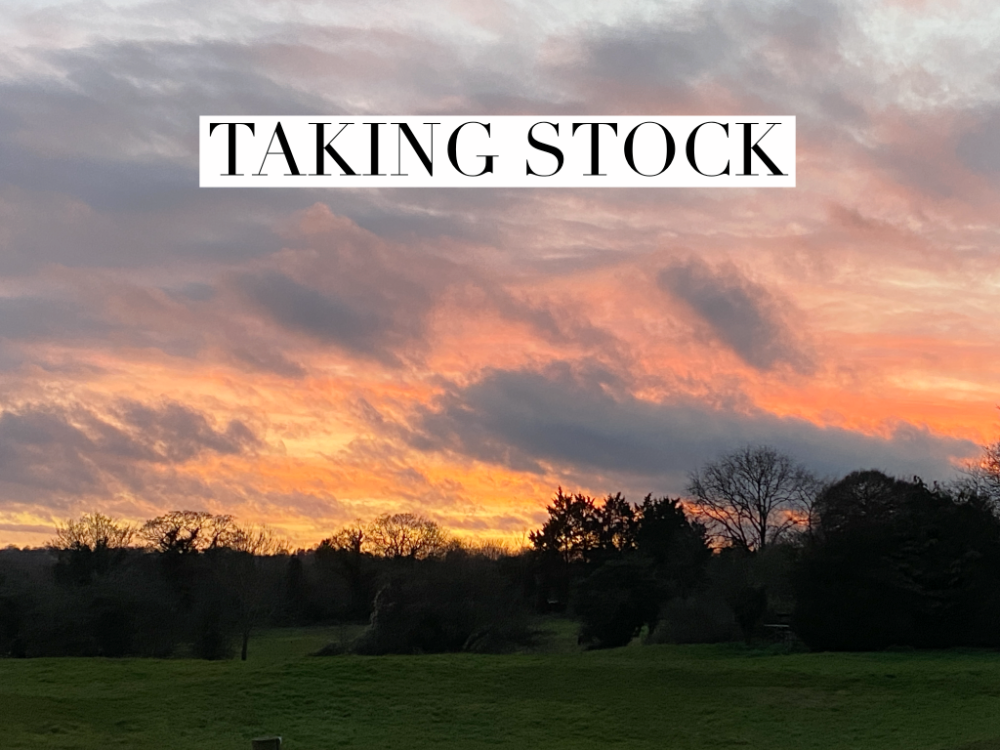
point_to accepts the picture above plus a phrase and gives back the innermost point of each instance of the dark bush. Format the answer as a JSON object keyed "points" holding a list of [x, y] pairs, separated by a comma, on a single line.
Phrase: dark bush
{"points": [[460, 603], [214, 633], [702, 618], [615, 601], [894, 563]]}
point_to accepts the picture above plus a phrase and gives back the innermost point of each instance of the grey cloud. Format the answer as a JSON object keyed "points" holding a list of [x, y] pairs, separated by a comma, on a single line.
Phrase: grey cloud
{"points": [[327, 317], [923, 157], [555, 321], [262, 358], [195, 291], [48, 228], [76, 450], [118, 127], [84, 311], [187, 320], [176, 433], [42, 449], [117, 134], [788, 57], [522, 419], [117, 186], [661, 55], [366, 320], [742, 314], [585, 422], [345, 287], [979, 147], [120, 130], [814, 28], [33, 318], [29, 320], [337, 285]]}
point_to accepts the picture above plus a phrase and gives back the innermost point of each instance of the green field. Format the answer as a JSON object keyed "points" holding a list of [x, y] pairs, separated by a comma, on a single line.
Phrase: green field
{"points": [[662, 697]]}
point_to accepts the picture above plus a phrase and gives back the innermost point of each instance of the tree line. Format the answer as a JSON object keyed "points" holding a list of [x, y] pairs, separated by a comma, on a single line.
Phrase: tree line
{"points": [[759, 550]]}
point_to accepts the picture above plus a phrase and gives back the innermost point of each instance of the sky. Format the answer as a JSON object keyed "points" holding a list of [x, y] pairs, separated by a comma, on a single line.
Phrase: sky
{"points": [[304, 358]]}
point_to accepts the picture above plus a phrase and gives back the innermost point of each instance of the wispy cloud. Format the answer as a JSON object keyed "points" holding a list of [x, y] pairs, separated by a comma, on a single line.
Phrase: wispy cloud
{"points": [[740, 313]]}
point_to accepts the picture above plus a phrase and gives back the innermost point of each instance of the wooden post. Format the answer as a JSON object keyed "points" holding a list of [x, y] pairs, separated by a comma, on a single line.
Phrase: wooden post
{"points": [[266, 743]]}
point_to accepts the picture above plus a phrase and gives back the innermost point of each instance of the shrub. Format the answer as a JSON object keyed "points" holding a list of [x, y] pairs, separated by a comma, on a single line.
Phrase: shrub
{"points": [[702, 618], [460, 603], [615, 601]]}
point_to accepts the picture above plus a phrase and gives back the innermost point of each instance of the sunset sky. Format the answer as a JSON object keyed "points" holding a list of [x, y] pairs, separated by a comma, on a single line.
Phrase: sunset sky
{"points": [[303, 358]]}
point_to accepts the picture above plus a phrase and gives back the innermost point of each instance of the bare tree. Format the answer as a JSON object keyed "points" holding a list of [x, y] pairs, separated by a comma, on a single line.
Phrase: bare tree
{"points": [[257, 540], [348, 550], [982, 475], [90, 547], [352, 538], [93, 531], [491, 549], [405, 535], [186, 531], [753, 497]]}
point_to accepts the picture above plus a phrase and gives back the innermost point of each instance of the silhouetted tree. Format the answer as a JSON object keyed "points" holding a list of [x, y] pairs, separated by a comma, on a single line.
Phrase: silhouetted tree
{"points": [[677, 546], [295, 591], [862, 499], [182, 532], [626, 560], [616, 524], [90, 546], [346, 555], [353, 538], [982, 476], [891, 562], [405, 535], [579, 529], [572, 538], [179, 538], [93, 530], [753, 497]]}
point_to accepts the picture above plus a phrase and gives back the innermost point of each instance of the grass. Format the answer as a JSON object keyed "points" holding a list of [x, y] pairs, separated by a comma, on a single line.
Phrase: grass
{"points": [[664, 697]]}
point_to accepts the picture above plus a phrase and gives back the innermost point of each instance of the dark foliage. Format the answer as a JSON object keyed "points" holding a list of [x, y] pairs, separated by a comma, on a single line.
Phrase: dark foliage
{"points": [[896, 563], [754, 585], [126, 611], [616, 600], [677, 546], [347, 576], [884, 563], [81, 564], [459, 603], [620, 561], [573, 531], [702, 618]]}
